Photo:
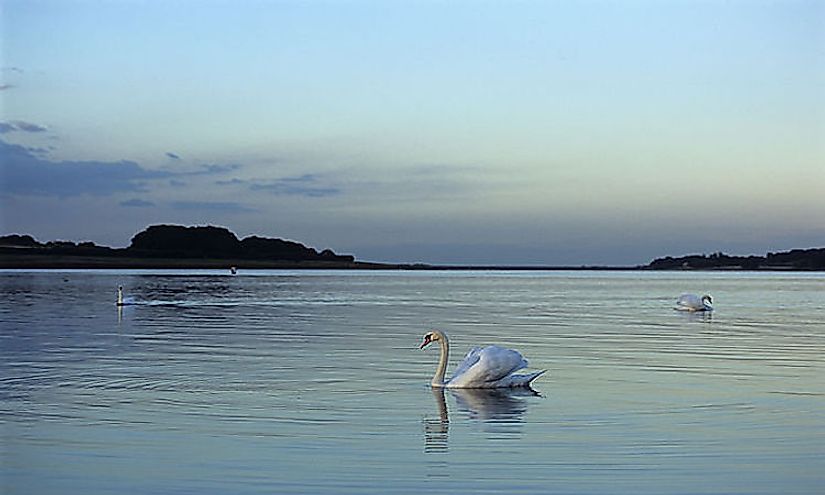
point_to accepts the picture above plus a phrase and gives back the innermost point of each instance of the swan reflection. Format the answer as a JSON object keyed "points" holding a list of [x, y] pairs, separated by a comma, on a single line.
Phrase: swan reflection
{"points": [[700, 316], [437, 429], [496, 404], [500, 410]]}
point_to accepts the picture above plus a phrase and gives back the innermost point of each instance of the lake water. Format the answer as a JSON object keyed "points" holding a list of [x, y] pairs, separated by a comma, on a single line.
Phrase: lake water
{"points": [[312, 382]]}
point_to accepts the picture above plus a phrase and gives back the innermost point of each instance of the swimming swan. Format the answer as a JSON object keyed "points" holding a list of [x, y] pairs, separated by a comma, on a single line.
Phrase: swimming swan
{"points": [[483, 367], [692, 302], [120, 300]]}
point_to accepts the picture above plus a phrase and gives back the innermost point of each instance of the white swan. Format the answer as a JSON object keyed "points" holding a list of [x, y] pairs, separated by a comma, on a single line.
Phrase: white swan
{"points": [[483, 367], [120, 300], [692, 302]]}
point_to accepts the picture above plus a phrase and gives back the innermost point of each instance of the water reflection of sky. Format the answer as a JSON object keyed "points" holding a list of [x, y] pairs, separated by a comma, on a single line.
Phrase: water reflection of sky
{"points": [[314, 384]]}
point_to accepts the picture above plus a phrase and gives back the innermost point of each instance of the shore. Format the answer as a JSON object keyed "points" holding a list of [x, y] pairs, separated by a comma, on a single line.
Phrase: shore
{"points": [[39, 261], [44, 261]]}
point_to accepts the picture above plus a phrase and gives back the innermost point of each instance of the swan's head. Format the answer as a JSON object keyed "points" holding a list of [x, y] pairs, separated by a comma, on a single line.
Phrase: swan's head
{"points": [[431, 337], [707, 298]]}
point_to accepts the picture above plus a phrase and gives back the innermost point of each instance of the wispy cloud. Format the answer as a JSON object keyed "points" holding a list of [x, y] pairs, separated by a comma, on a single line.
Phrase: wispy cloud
{"points": [[205, 168], [308, 185], [214, 206], [28, 171], [215, 169], [8, 70], [173, 156], [231, 182], [27, 174], [137, 203], [39, 150], [29, 127], [19, 125]]}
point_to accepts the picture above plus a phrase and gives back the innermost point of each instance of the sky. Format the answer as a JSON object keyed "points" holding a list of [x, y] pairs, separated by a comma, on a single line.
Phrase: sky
{"points": [[461, 132]]}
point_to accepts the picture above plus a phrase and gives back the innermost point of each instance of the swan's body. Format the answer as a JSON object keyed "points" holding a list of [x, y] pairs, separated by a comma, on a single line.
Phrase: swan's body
{"points": [[482, 367], [692, 302]]}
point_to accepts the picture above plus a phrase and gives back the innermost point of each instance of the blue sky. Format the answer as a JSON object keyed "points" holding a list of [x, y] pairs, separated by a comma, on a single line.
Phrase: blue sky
{"points": [[443, 132]]}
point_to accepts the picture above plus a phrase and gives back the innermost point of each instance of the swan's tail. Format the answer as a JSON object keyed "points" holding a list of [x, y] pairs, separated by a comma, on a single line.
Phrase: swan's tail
{"points": [[523, 380]]}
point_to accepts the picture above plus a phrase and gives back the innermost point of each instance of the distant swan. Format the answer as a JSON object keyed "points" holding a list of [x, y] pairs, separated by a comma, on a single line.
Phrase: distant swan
{"points": [[692, 302], [120, 300], [487, 367]]}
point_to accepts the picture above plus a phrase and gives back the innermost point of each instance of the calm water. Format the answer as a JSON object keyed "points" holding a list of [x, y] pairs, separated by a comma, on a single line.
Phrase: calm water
{"points": [[312, 382]]}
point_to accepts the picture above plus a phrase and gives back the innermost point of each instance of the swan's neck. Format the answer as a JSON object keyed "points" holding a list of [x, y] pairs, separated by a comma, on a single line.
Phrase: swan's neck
{"points": [[120, 296], [441, 370]]}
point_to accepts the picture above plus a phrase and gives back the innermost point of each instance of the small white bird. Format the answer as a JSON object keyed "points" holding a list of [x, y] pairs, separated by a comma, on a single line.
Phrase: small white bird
{"points": [[483, 367], [692, 302], [121, 301]]}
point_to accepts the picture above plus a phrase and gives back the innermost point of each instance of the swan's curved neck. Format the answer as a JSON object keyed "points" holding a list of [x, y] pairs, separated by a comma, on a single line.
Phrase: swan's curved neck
{"points": [[441, 370], [119, 295]]}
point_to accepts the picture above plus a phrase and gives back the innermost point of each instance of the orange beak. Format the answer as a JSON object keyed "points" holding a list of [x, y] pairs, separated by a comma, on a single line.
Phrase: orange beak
{"points": [[426, 342]]}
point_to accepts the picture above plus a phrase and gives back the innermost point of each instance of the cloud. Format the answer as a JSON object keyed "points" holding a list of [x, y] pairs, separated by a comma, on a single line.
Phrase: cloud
{"points": [[24, 173], [231, 182], [18, 70], [29, 127], [40, 150], [137, 203], [27, 171], [307, 185], [223, 206], [216, 169], [173, 156], [19, 125], [208, 168]]}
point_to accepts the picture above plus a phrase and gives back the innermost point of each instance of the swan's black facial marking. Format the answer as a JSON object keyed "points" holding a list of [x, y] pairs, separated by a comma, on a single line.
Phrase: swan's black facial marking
{"points": [[428, 339]]}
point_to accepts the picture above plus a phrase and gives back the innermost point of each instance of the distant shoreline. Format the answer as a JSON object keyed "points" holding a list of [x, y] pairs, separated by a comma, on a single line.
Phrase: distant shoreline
{"points": [[209, 247], [45, 261], [58, 262]]}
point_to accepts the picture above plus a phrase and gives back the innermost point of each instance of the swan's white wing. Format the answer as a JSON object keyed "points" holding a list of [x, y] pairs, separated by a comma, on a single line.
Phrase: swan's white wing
{"points": [[517, 381], [470, 359], [689, 302], [491, 364]]}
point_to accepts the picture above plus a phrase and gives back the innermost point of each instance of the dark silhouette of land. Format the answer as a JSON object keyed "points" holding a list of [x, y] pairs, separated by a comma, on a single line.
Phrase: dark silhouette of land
{"points": [[177, 246], [796, 259], [172, 246]]}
